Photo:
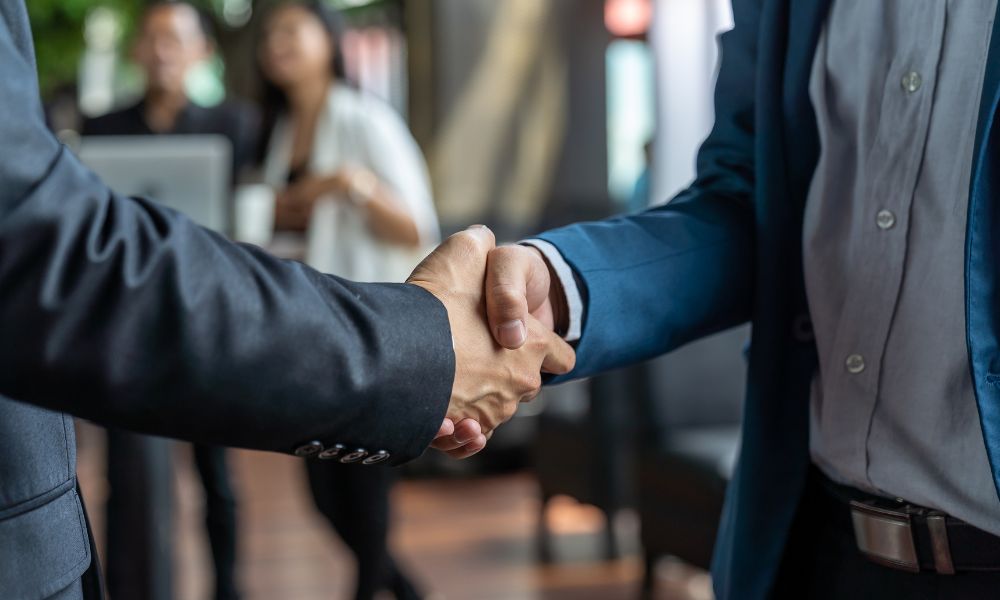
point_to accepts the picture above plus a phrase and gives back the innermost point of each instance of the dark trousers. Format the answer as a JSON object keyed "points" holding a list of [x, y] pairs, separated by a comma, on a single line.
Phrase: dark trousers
{"points": [[220, 517], [140, 517], [355, 500], [822, 562]]}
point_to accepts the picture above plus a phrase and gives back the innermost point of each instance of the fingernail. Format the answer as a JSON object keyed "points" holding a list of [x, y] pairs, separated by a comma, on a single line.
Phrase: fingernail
{"points": [[464, 440], [476, 227], [512, 333]]}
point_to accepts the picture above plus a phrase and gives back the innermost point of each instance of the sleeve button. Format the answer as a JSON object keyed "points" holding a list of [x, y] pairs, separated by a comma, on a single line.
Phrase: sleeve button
{"points": [[332, 452], [355, 456], [308, 449], [376, 458]]}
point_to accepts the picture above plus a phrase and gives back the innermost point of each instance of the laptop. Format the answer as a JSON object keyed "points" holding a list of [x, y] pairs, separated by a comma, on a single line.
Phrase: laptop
{"points": [[188, 173]]}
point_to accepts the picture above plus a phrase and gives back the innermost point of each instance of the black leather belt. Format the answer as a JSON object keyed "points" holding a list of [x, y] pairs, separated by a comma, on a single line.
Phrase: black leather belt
{"points": [[913, 538]]}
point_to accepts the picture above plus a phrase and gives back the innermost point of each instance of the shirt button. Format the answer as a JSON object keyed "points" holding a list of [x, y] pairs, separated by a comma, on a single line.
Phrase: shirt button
{"points": [[911, 82], [855, 363], [885, 219]]}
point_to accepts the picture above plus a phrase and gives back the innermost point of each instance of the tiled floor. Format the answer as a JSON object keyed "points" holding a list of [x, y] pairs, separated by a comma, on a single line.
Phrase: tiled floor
{"points": [[462, 539]]}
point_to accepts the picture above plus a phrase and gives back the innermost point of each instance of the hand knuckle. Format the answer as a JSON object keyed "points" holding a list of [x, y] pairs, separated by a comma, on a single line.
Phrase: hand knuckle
{"points": [[528, 382], [506, 297], [465, 243], [507, 253], [509, 410]]}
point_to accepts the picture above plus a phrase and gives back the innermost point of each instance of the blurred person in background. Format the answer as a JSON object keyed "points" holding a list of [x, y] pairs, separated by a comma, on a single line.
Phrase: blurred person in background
{"points": [[173, 38], [349, 175]]}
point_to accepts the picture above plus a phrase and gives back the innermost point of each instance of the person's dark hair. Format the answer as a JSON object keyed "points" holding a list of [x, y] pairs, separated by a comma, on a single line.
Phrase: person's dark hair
{"points": [[273, 99], [205, 22]]}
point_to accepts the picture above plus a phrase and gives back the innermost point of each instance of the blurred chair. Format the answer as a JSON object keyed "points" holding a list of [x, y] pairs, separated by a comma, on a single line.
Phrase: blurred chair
{"points": [[583, 450], [691, 411]]}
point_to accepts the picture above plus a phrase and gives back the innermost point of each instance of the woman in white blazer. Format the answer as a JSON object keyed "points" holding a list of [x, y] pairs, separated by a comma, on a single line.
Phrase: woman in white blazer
{"points": [[349, 175], [348, 171]]}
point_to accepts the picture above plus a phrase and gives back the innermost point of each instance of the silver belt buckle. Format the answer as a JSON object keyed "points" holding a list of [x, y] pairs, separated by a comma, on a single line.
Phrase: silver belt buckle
{"points": [[885, 536]]}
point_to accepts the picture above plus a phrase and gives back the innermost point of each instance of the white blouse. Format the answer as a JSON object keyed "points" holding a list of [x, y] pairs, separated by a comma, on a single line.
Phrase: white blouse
{"points": [[360, 130]]}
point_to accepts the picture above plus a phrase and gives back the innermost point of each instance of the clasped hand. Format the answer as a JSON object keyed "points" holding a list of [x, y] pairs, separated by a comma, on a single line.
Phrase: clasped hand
{"points": [[502, 322]]}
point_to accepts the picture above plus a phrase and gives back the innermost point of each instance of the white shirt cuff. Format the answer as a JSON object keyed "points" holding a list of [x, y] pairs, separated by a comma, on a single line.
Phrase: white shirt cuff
{"points": [[574, 301]]}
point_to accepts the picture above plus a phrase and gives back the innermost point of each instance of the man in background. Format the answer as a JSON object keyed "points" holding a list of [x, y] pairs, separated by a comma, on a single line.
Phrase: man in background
{"points": [[173, 38]]}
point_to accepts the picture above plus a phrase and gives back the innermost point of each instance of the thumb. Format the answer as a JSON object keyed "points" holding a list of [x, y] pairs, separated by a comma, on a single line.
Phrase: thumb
{"points": [[517, 281]]}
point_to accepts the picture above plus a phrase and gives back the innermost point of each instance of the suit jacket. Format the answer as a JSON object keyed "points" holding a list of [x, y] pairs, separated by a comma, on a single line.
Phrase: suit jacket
{"points": [[728, 249], [125, 313]]}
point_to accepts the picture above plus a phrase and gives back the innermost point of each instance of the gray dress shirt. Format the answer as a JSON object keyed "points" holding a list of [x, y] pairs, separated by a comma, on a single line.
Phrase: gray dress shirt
{"points": [[896, 87]]}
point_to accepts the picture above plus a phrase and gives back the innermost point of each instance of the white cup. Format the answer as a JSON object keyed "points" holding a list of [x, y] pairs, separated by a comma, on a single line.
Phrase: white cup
{"points": [[254, 214]]}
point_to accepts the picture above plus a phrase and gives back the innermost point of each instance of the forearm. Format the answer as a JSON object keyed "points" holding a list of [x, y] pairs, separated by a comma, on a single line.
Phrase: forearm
{"points": [[386, 215], [654, 281], [125, 313], [389, 220]]}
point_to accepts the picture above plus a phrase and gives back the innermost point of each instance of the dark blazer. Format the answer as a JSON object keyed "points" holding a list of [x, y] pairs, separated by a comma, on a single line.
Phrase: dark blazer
{"points": [[728, 250], [125, 313]]}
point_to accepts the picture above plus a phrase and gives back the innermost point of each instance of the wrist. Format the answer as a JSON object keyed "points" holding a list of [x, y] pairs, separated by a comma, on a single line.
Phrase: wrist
{"points": [[560, 310], [361, 187], [557, 297]]}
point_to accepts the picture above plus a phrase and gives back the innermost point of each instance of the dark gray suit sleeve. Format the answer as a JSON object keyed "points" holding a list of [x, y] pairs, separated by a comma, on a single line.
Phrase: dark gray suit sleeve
{"points": [[126, 313]]}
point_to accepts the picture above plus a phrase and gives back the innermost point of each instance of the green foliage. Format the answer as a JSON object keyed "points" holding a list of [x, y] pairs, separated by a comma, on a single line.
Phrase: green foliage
{"points": [[58, 27], [58, 30]]}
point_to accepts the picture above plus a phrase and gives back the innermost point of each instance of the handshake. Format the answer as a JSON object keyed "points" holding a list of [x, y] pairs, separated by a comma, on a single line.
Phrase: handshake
{"points": [[504, 308]]}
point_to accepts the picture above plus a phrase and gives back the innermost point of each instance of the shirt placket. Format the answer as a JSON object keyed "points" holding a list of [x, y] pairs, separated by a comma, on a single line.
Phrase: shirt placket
{"points": [[892, 167]]}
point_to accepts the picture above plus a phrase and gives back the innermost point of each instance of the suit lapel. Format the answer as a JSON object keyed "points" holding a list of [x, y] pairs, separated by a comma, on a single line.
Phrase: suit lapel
{"points": [[806, 19], [982, 244], [991, 87]]}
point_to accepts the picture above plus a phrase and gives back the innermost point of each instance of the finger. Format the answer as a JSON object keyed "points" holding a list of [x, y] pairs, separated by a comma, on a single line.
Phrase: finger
{"points": [[469, 449], [467, 430], [446, 444], [560, 358], [447, 428]]}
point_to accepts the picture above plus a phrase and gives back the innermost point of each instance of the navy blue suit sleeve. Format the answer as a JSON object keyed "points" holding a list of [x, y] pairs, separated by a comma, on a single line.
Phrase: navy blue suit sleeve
{"points": [[659, 279], [124, 312]]}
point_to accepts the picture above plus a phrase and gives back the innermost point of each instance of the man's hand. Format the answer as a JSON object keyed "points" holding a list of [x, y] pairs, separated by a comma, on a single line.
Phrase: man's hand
{"points": [[519, 287], [490, 381]]}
